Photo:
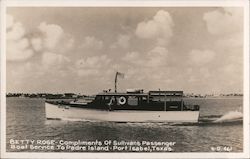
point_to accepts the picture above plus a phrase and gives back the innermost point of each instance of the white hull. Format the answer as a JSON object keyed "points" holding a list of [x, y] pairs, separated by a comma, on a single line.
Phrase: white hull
{"points": [[61, 112]]}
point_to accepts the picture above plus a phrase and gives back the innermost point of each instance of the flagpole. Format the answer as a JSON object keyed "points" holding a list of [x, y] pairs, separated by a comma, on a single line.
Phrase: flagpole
{"points": [[116, 80]]}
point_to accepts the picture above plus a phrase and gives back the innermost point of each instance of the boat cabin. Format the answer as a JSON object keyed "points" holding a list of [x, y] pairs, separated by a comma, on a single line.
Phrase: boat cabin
{"points": [[153, 101]]}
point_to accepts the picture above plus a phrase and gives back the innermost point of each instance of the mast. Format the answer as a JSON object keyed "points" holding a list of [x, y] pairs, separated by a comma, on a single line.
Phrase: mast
{"points": [[118, 74], [116, 81]]}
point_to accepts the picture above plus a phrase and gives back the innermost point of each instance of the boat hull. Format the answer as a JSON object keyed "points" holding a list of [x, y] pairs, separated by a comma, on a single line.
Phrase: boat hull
{"points": [[67, 112]]}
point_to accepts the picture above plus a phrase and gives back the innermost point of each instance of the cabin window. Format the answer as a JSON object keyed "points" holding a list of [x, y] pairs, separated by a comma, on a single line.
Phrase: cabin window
{"points": [[133, 101], [173, 106], [176, 99], [161, 99], [107, 98], [168, 99], [98, 98]]}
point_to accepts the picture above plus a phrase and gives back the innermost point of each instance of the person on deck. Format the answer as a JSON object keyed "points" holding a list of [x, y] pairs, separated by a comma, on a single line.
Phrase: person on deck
{"points": [[111, 103]]}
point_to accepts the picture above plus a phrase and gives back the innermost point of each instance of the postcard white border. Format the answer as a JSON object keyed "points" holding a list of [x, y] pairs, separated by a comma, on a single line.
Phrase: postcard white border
{"points": [[122, 3]]}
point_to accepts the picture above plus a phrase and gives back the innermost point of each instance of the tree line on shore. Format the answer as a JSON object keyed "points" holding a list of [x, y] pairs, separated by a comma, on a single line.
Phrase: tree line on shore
{"points": [[45, 95]]}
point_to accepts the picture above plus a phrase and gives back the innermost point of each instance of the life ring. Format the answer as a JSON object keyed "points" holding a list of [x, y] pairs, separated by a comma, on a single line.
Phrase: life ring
{"points": [[122, 100]]}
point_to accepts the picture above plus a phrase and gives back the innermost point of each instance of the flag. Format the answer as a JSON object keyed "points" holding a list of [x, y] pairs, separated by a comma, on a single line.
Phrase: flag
{"points": [[119, 74]]}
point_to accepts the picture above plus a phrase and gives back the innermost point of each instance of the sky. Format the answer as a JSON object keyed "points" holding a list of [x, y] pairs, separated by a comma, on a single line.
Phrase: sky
{"points": [[79, 49]]}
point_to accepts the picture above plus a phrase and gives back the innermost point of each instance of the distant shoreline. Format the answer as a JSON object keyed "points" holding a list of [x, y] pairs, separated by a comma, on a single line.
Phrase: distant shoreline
{"points": [[216, 97]]}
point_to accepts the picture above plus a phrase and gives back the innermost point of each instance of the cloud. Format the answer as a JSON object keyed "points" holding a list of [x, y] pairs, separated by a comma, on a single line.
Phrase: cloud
{"points": [[157, 57], [50, 60], [230, 41], [205, 72], [232, 69], [201, 57], [52, 43], [53, 39], [131, 56], [93, 62], [88, 72], [123, 41], [92, 42], [139, 67], [16, 31], [91, 65], [21, 44], [153, 58], [36, 44], [18, 50], [225, 21], [226, 24], [52, 34], [222, 66], [159, 28], [18, 46]]}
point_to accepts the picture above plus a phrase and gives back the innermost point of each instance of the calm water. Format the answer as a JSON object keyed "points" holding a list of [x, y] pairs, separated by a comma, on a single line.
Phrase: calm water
{"points": [[26, 120]]}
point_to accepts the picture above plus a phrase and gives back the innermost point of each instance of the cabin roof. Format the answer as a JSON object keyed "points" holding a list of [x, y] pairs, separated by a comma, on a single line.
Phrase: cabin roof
{"points": [[150, 93], [177, 92], [121, 94], [165, 93]]}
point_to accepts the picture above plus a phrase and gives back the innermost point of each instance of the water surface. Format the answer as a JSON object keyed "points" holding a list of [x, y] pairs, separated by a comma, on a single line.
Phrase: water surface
{"points": [[26, 120]]}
